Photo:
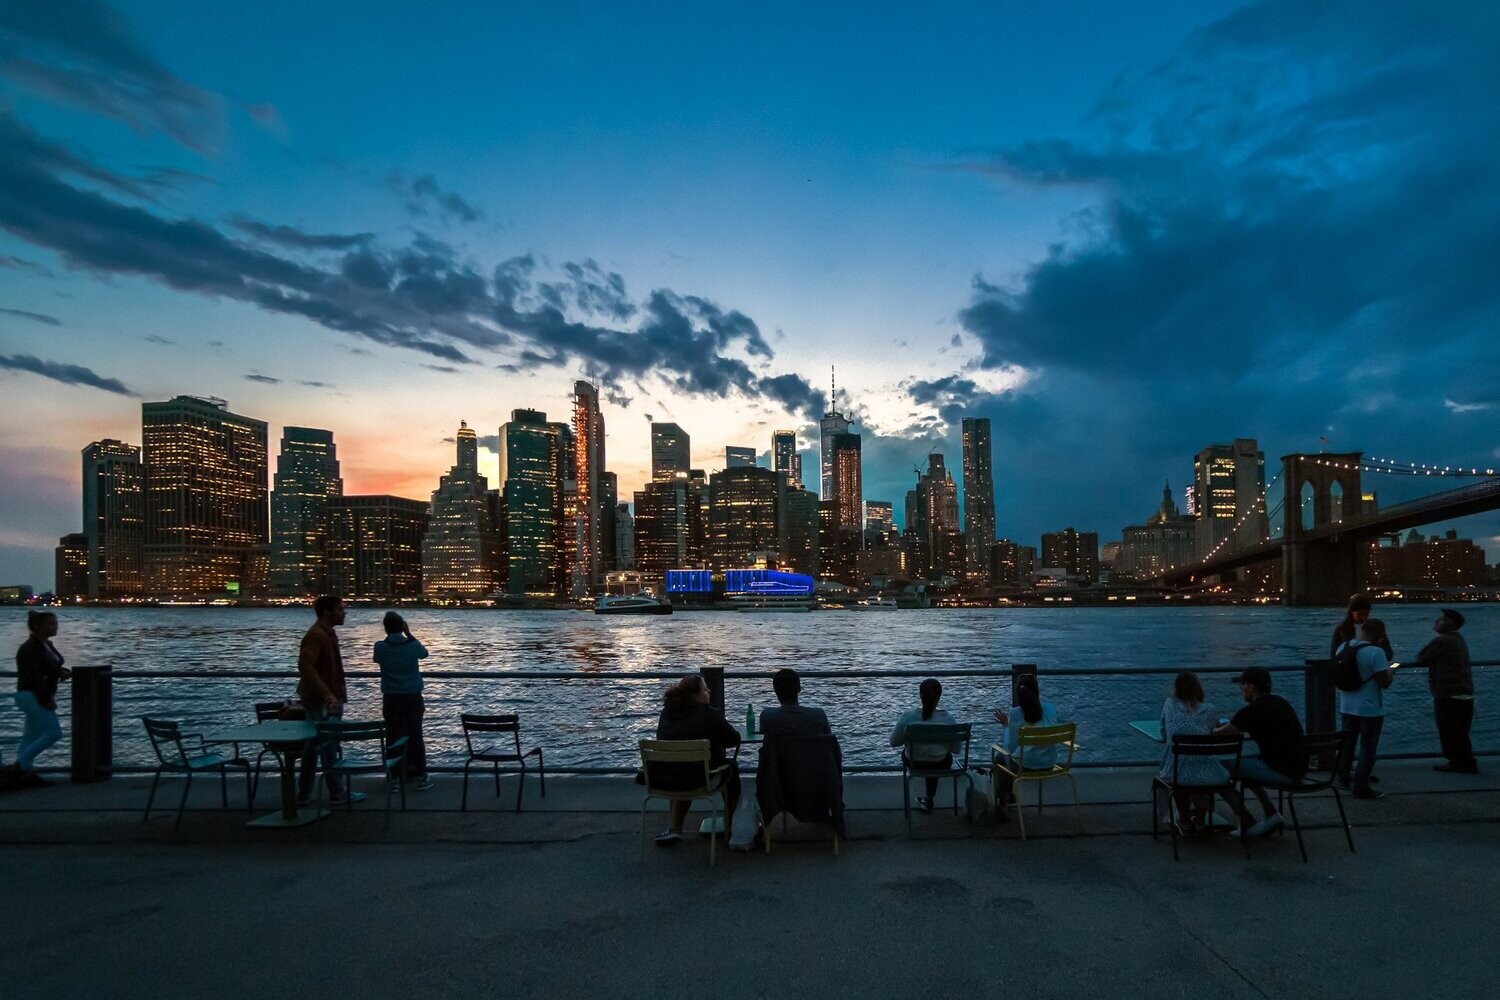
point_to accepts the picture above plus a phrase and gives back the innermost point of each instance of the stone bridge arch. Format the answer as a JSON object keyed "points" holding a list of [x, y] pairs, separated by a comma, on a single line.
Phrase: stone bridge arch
{"points": [[1327, 570]]}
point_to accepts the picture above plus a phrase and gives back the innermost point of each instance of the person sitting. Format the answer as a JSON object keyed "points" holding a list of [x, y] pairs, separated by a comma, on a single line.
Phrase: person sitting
{"points": [[789, 718], [1184, 713], [935, 755], [1029, 710], [1272, 723], [687, 715]]}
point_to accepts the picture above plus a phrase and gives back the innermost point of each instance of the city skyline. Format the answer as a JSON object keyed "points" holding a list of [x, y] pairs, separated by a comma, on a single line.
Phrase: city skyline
{"points": [[1056, 245]]}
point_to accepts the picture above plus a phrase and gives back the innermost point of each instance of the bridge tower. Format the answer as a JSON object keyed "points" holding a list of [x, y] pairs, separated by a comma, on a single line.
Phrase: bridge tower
{"points": [[1322, 492]]}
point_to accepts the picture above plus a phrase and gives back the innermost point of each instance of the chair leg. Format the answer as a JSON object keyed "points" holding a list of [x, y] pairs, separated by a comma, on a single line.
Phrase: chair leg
{"points": [[1172, 822], [1297, 826], [152, 797], [955, 795], [644, 803], [1155, 805], [541, 772], [249, 792], [1077, 805], [497, 778], [464, 801], [1339, 801], [520, 784], [713, 830], [765, 833], [187, 786], [906, 801], [1020, 813], [223, 786]]}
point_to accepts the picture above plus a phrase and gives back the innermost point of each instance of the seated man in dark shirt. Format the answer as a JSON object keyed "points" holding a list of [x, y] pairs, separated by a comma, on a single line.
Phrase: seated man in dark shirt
{"points": [[790, 718], [1272, 723]]}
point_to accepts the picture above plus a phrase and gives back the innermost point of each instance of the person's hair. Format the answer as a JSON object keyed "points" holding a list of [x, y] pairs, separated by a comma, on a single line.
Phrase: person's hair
{"points": [[34, 619], [929, 691], [393, 623], [787, 685], [1187, 688], [326, 603], [1357, 602], [1374, 630], [684, 691], [1029, 698]]}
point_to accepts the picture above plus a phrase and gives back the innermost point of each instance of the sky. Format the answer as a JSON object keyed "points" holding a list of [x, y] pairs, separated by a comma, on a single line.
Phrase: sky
{"points": [[1120, 231]]}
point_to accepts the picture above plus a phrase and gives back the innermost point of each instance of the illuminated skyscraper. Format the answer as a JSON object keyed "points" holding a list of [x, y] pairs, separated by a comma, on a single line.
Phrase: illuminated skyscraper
{"points": [[565, 511], [847, 485], [1229, 484], [374, 549], [784, 457], [71, 567], [668, 528], [206, 510], [114, 518], [671, 451], [307, 478], [799, 529], [460, 550], [979, 494], [1076, 552], [741, 516], [736, 457], [624, 537], [880, 516], [528, 486], [609, 505], [833, 424], [588, 472]]}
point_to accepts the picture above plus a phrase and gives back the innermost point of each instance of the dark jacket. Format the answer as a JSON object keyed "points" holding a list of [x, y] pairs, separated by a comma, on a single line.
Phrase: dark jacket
{"points": [[696, 721], [38, 669], [1446, 658], [794, 720], [320, 665], [802, 775]]}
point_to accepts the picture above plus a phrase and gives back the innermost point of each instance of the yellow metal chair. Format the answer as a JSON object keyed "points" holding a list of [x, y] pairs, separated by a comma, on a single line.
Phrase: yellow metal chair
{"points": [[1033, 738], [657, 752]]}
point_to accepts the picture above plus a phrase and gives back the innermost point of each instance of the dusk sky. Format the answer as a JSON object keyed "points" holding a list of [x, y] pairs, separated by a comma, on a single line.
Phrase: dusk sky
{"points": [[1121, 231]]}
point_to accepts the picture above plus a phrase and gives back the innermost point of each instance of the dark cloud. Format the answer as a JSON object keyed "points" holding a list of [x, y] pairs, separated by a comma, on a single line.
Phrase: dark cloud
{"points": [[422, 196], [83, 53], [296, 239], [35, 317], [67, 374], [156, 338], [262, 379]]}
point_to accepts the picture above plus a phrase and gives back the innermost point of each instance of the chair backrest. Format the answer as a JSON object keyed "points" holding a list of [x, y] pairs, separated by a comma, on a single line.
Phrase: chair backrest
{"points": [[941, 734], [269, 711], [352, 732], [166, 739], [1314, 745], [674, 752], [490, 724], [1206, 745], [1064, 734]]}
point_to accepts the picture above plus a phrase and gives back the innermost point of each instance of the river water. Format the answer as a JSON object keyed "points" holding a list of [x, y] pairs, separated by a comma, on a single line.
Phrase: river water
{"points": [[590, 723]]}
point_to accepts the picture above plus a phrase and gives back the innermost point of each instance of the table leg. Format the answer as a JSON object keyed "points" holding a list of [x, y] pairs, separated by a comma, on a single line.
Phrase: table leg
{"points": [[288, 785], [290, 814]]}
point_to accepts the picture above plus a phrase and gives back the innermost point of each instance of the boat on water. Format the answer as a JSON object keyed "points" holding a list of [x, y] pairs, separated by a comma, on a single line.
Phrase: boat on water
{"points": [[771, 602], [631, 604], [877, 604]]}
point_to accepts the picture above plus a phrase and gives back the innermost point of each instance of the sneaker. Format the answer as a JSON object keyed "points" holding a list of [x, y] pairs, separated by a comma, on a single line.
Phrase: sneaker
{"points": [[347, 797], [1456, 769], [668, 838], [1367, 793], [422, 783], [924, 803], [31, 779], [1270, 824]]}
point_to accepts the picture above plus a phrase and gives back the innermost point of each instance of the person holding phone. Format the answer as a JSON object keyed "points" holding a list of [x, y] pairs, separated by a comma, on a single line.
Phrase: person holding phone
{"points": [[39, 666], [399, 655], [1363, 709]]}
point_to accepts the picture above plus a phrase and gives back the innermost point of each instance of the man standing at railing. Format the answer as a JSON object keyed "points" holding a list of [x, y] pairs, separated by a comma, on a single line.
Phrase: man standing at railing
{"points": [[320, 668], [1451, 681]]}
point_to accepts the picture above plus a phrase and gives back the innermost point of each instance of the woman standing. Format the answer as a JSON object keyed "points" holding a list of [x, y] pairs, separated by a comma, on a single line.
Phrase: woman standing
{"points": [[1355, 615], [39, 666], [399, 655]]}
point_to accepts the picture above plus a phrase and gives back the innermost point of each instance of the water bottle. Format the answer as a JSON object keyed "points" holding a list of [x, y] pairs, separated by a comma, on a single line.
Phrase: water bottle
{"points": [[750, 720]]}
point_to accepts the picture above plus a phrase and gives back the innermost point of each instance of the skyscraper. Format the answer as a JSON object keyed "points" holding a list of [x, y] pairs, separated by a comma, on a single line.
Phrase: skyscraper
{"points": [[671, 451], [608, 504], [880, 516], [1076, 552], [979, 494], [736, 457], [460, 550], [624, 537], [668, 528], [307, 478], [374, 549], [934, 543], [784, 457], [741, 516], [1166, 540], [528, 486], [847, 487], [114, 518], [588, 474], [70, 566], [206, 510], [565, 578], [833, 423], [1229, 485], [799, 529]]}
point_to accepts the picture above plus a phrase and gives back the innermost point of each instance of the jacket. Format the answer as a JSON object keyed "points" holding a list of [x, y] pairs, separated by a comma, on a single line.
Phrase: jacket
{"points": [[1446, 658], [38, 669], [320, 667], [802, 775], [399, 657]]}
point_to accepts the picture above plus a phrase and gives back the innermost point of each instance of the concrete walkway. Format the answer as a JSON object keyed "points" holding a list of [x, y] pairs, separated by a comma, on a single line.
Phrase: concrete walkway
{"points": [[554, 902]]}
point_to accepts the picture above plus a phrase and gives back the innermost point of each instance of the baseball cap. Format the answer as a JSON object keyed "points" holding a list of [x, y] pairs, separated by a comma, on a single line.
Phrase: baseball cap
{"points": [[1453, 616], [1257, 677]]}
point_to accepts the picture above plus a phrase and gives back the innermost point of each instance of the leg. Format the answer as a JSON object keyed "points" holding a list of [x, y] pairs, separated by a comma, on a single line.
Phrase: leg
{"points": [[1346, 752], [931, 784], [1443, 715], [416, 747], [1369, 746], [1463, 721], [393, 711], [731, 798], [41, 730], [679, 815]]}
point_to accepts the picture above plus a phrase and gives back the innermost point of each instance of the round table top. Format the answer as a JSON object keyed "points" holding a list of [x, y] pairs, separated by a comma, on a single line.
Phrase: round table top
{"points": [[278, 731]]}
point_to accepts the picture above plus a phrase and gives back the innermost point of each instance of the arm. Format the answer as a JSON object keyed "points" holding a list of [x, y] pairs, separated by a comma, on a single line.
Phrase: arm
{"points": [[823, 717], [314, 689], [421, 650], [898, 735]]}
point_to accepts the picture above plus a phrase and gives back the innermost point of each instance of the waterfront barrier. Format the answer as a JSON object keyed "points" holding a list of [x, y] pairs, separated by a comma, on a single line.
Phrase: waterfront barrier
{"points": [[92, 727]]}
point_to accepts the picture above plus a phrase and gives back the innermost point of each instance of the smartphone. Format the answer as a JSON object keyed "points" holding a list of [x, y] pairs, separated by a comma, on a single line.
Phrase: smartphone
{"points": [[1395, 664]]}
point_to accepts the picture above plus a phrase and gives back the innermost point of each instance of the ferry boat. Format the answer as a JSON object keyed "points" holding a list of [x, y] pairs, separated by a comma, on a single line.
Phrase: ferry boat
{"points": [[877, 604], [631, 604], [771, 602]]}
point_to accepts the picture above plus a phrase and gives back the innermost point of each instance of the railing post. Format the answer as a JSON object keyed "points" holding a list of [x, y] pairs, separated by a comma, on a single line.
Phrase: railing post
{"points": [[714, 678], [1318, 697], [93, 724]]}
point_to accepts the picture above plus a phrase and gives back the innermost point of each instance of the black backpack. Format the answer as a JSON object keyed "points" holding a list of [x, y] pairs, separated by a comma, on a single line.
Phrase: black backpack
{"points": [[1346, 675]]}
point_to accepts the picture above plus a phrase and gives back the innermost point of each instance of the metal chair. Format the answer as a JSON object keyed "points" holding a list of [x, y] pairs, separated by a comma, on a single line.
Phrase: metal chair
{"points": [[1037, 737], [388, 764], [265, 711], [654, 753], [934, 734], [1219, 745], [167, 741], [1313, 745], [494, 754]]}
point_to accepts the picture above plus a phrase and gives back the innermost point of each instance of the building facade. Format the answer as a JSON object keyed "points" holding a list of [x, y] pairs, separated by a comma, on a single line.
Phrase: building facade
{"points": [[374, 549], [70, 567], [528, 488], [1167, 540], [668, 528], [461, 547], [784, 457], [736, 457], [587, 574], [799, 530], [1229, 487], [671, 451], [1074, 552], [624, 537], [1011, 564], [114, 519], [742, 516], [307, 479], [979, 492]]}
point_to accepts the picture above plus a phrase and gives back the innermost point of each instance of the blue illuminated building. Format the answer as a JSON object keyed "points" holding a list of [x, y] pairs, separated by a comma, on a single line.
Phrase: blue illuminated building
{"points": [[768, 582]]}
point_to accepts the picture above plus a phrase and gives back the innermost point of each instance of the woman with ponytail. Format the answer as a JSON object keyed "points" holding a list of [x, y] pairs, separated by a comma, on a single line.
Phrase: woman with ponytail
{"points": [[929, 692], [687, 715]]}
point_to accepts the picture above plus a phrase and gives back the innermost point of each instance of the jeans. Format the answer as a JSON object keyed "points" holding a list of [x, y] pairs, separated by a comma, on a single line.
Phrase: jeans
{"points": [[320, 752], [1454, 717], [932, 783], [403, 717], [41, 729], [1364, 730]]}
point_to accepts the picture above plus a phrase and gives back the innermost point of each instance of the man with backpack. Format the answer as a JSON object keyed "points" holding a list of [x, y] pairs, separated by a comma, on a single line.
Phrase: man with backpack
{"points": [[1361, 673]]}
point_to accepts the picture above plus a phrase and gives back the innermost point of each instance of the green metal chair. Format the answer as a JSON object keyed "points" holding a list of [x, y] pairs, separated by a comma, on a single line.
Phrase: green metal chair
{"points": [[388, 763], [176, 754], [934, 733]]}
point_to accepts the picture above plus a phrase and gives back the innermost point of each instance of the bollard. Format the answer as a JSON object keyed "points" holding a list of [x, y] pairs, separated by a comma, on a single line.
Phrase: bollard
{"points": [[714, 678], [1318, 703], [93, 724]]}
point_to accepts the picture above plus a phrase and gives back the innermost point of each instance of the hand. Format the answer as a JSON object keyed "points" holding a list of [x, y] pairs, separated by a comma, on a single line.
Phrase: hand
{"points": [[334, 706], [1002, 718], [66, 673]]}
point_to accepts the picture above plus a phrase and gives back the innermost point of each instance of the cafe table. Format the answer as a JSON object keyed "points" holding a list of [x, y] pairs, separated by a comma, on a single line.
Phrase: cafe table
{"points": [[287, 740]]}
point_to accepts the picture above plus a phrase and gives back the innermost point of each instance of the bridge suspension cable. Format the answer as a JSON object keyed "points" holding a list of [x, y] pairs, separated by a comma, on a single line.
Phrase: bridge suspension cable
{"points": [[1389, 466]]}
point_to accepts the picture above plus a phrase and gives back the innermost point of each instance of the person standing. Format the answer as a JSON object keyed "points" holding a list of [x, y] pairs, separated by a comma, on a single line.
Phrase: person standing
{"points": [[1451, 681], [320, 667], [1348, 629], [399, 655], [1363, 709], [39, 666]]}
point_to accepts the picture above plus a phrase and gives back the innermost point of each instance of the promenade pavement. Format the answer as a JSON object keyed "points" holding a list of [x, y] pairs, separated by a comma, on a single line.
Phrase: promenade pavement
{"points": [[555, 902]]}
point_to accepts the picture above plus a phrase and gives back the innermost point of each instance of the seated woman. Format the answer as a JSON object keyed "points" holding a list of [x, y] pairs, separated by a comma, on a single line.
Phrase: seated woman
{"points": [[1030, 710], [1185, 713], [687, 715], [929, 754]]}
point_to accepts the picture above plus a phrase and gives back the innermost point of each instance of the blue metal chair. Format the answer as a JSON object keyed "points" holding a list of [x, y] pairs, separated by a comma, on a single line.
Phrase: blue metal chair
{"points": [[934, 733], [496, 754], [389, 763], [167, 740]]}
